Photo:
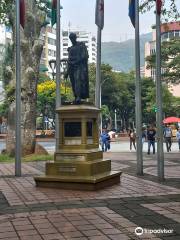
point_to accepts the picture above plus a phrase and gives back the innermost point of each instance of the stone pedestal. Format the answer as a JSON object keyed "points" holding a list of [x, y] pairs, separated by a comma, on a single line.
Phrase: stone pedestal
{"points": [[78, 162]]}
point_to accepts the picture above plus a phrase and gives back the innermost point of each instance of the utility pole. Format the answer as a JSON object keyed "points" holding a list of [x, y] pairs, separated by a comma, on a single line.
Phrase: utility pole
{"points": [[138, 94], [18, 95], [58, 70], [159, 114]]}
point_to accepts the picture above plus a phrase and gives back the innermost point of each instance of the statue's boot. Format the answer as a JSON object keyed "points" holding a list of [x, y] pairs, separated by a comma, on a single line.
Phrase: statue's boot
{"points": [[78, 100]]}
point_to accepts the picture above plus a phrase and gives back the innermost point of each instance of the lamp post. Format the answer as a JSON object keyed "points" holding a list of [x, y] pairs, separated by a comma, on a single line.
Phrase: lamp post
{"points": [[46, 116], [115, 119], [52, 64]]}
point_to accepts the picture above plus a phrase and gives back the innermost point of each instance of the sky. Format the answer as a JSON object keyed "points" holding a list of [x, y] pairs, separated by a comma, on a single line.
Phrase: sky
{"points": [[117, 26]]}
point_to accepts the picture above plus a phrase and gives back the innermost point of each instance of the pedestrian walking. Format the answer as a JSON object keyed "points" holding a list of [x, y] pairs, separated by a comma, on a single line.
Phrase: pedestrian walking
{"points": [[144, 135], [168, 137], [104, 140], [151, 133], [132, 139], [178, 138], [108, 142]]}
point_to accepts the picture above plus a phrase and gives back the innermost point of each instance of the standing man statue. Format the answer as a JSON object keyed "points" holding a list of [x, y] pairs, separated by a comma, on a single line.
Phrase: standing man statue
{"points": [[77, 69]]}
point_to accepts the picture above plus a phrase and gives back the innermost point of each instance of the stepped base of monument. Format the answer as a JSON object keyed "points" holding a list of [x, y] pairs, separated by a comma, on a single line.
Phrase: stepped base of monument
{"points": [[88, 183]]}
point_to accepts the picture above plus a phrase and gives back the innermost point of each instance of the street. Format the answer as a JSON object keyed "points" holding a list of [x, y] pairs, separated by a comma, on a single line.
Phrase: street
{"points": [[121, 146]]}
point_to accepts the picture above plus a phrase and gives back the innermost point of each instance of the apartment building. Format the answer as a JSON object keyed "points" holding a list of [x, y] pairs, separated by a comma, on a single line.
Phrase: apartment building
{"points": [[168, 31]]}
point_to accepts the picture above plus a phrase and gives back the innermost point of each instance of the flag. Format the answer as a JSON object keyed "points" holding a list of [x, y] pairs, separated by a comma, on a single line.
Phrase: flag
{"points": [[22, 13], [99, 18], [159, 5], [53, 12], [132, 11]]}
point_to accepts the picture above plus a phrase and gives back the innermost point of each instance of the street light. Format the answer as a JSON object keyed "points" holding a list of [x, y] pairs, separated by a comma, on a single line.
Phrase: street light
{"points": [[63, 67], [52, 64], [100, 102], [115, 119]]}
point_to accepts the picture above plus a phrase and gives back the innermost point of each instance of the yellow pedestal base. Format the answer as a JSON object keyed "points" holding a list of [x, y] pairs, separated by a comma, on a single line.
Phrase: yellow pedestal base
{"points": [[88, 183], [78, 162]]}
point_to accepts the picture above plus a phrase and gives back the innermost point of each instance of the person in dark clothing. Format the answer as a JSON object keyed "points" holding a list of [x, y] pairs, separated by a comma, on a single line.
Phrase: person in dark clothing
{"points": [[178, 137], [104, 140], [168, 137], [151, 133]]}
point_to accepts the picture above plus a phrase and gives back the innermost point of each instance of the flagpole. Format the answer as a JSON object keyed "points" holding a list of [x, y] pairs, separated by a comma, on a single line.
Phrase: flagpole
{"points": [[98, 70], [18, 95], [58, 71], [99, 20], [138, 94], [159, 114]]}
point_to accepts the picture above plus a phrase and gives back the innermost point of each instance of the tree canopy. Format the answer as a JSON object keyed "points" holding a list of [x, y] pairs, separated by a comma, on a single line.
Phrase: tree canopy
{"points": [[169, 8], [118, 92], [170, 61]]}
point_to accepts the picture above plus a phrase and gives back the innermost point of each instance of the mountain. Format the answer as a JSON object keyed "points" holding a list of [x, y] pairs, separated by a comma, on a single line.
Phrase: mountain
{"points": [[121, 55]]}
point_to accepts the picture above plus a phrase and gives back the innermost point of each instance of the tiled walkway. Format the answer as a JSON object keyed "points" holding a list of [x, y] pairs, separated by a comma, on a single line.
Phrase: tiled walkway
{"points": [[27, 212]]}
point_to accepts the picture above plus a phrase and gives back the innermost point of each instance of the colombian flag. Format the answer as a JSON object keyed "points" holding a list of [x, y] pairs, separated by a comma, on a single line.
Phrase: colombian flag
{"points": [[132, 11]]}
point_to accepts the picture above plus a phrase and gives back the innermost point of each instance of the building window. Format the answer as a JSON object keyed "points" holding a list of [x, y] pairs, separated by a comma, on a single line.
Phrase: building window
{"points": [[177, 33], [51, 41], [65, 33], [51, 53], [164, 36], [171, 34]]}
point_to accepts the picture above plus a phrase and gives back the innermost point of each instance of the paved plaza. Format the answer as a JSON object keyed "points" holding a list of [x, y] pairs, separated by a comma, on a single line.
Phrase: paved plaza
{"points": [[141, 203]]}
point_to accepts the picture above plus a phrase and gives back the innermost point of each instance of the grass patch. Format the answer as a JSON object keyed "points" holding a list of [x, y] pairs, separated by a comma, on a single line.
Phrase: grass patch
{"points": [[6, 158], [37, 157], [30, 158]]}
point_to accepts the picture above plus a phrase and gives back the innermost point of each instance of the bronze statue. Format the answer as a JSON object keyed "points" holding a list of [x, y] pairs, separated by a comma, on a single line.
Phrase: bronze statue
{"points": [[77, 69]]}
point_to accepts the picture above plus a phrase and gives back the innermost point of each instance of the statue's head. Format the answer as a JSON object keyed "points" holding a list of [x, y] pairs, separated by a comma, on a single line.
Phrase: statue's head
{"points": [[72, 37]]}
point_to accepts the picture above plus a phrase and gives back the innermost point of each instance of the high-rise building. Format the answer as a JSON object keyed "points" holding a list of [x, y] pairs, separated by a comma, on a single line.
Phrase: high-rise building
{"points": [[168, 31], [49, 51]]}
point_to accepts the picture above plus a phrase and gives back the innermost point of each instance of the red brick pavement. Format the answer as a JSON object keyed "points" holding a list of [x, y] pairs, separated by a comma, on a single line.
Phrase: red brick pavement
{"points": [[78, 223]]}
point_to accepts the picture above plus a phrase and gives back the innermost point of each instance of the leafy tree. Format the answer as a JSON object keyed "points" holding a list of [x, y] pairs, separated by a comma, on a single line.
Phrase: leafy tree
{"points": [[106, 116], [46, 97], [4, 109], [169, 8], [118, 92], [31, 49], [149, 101], [170, 58]]}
